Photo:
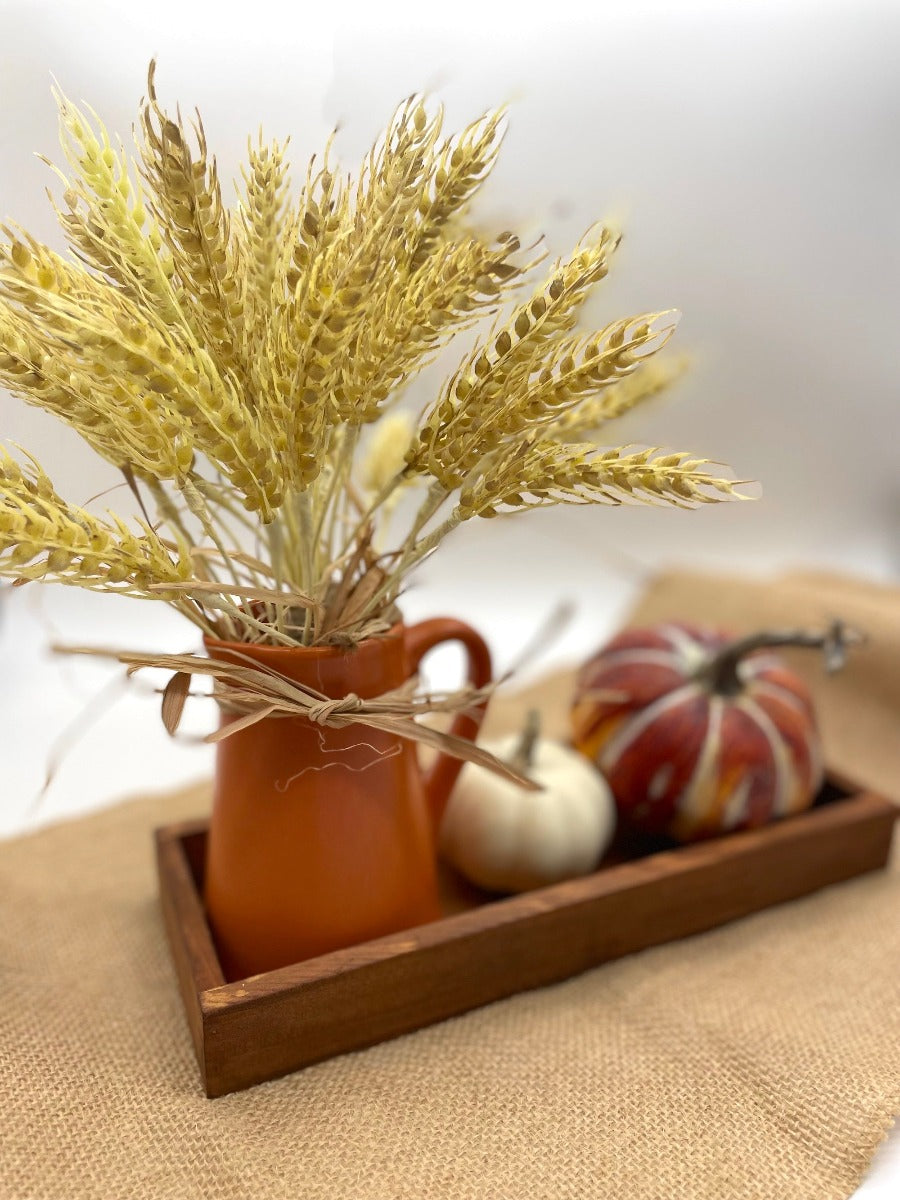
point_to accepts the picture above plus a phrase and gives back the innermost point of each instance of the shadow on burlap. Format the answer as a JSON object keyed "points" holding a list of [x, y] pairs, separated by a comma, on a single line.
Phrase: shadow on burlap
{"points": [[756, 1061]]}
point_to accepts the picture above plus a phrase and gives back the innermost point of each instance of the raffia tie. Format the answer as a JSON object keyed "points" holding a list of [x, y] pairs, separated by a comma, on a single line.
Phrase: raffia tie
{"points": [[324, 712], [255, 693]]}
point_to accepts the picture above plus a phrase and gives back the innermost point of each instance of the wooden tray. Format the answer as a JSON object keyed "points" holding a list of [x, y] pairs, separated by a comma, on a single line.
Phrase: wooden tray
{"points": [[486, 948]]}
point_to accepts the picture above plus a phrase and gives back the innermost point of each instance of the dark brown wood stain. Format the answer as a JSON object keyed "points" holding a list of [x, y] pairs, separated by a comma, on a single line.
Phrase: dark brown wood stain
{"points": [[250, 1030]]}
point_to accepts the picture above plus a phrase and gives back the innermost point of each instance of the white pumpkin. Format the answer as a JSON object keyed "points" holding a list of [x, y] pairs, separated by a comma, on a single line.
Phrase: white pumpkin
{"points": [[508, 839]]}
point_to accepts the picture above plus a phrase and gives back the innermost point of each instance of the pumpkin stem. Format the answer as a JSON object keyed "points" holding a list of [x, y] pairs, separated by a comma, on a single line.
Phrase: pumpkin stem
{"points": [[721, 672], [523, 758]]}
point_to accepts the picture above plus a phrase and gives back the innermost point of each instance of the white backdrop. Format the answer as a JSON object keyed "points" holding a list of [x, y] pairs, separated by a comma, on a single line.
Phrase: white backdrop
{"points": [[751, 153]]}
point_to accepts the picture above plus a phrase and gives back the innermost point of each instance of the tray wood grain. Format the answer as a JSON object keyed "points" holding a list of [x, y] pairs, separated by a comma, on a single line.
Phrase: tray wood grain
{"points": [[485, 948]]}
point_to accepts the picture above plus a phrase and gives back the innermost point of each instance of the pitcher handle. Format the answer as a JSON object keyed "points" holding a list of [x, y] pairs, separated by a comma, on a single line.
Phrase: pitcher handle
{"points": [[421, 638]]}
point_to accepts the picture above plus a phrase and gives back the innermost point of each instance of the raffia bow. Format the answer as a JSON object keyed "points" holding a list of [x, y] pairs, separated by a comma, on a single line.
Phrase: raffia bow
{"points": [[254, 693]]}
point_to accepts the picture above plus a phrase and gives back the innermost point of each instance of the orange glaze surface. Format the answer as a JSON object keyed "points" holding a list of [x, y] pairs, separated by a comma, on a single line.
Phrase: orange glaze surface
{"points": [[324, 837]]}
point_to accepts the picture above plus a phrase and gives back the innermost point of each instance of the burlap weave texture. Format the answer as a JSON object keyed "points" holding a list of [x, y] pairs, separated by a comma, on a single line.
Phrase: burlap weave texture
{"points": [[757, 1062]]}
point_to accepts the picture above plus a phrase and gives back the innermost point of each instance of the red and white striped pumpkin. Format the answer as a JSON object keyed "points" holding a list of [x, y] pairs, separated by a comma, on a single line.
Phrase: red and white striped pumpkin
{"points": [[685, 754]]}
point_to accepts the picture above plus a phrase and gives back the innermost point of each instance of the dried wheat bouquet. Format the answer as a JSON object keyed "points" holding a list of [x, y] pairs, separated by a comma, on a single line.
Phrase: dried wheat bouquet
{"points": [[242, 366]]}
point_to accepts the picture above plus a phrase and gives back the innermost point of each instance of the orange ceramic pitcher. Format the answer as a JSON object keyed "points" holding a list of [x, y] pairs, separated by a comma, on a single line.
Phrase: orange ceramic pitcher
{"points": [[321, 838]]}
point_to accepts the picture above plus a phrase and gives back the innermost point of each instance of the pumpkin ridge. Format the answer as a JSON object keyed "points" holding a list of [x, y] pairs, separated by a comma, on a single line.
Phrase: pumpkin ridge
{"points": [[693, 805], [634, 726], [612, 693], [783, 767], [797, 734], [766, 687], [687, 644]]}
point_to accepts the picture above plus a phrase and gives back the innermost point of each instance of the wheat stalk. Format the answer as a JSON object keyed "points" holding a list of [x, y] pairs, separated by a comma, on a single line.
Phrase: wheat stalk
{"points": [[41, 535], [241, 366]]}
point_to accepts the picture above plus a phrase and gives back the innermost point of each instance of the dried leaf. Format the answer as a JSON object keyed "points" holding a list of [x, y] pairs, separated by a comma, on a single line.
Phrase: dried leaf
{"points": [[175, 695], [239, 723], [360, 597], [270, 595]]}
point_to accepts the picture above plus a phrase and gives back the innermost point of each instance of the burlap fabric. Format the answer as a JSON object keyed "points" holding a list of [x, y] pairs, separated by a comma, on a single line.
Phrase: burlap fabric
{"points": [[758, 1061]]}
